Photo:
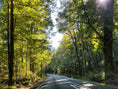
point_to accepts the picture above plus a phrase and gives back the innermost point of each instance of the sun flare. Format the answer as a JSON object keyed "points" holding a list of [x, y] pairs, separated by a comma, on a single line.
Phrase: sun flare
{"points": [[101, 1]]}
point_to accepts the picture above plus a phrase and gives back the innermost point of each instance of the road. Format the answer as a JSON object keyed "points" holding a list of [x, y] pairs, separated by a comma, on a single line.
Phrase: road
{"points": [[62, 82]]}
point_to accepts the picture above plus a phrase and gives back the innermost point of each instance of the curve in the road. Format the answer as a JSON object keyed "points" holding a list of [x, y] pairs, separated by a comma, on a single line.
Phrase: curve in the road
{"points": [[61, 82]]}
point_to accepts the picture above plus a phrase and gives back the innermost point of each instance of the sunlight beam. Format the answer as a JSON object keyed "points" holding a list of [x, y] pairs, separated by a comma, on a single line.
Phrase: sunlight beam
{"points": [[101, 1]]}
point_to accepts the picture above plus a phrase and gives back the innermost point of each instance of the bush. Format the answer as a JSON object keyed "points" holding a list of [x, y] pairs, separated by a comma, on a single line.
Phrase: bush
{"points": [[98, 77]]}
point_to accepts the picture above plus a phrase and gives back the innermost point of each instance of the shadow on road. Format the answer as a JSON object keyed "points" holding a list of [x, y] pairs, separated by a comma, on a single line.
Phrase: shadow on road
{"points": [[61, 82]]}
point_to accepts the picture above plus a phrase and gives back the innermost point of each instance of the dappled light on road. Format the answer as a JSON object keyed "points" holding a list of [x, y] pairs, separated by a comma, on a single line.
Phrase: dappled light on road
{"points": [[88, 85], [84, 86], [61, 82]]}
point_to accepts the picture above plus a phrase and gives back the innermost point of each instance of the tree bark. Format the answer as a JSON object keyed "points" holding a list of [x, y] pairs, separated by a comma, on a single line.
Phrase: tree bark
{"points": [[31, 58], [8, 28], [26, 58], [11, 57], [74, 39], [41, 68], [108, 38]]}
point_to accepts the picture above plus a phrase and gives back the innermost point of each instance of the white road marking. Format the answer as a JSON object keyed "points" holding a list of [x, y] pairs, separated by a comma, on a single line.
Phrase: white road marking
{"points": [[74, 86]]}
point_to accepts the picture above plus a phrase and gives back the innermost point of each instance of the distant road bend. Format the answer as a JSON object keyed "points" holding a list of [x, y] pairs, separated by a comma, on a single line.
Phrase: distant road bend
{"points": [[62, 82]]}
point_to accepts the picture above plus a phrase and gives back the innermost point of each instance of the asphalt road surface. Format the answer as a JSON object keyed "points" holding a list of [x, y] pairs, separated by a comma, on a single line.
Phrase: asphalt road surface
{"points": [[62, 82]]}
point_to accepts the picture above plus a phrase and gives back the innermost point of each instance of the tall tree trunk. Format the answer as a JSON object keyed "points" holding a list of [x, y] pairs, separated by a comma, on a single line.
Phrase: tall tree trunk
{"points": [[22, 52], [74, 39], [31, 58], [26, 58], [11, 46], [108, 38], [8, 28], [41, 68]]}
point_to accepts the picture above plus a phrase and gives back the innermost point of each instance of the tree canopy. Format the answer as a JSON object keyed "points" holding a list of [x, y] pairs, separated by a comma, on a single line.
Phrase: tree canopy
{"points": [[88, 49]]}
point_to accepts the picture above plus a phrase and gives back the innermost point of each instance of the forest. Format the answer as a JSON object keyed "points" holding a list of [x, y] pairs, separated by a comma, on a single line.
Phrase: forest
{"points": [[87, 51], [89, 47]]}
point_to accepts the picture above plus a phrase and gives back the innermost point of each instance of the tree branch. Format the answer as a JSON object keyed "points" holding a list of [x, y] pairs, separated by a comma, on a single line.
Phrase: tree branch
{"points": [[88, 22]]}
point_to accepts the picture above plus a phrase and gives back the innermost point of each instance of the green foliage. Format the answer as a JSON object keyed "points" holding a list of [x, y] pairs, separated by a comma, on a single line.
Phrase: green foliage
{"points": [[81, 50], [31, 19]]}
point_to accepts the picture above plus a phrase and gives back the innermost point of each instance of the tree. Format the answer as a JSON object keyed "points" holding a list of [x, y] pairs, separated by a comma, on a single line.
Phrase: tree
{"points": [[23, 36], [11, 47], [84, 24], [108, 38]]}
